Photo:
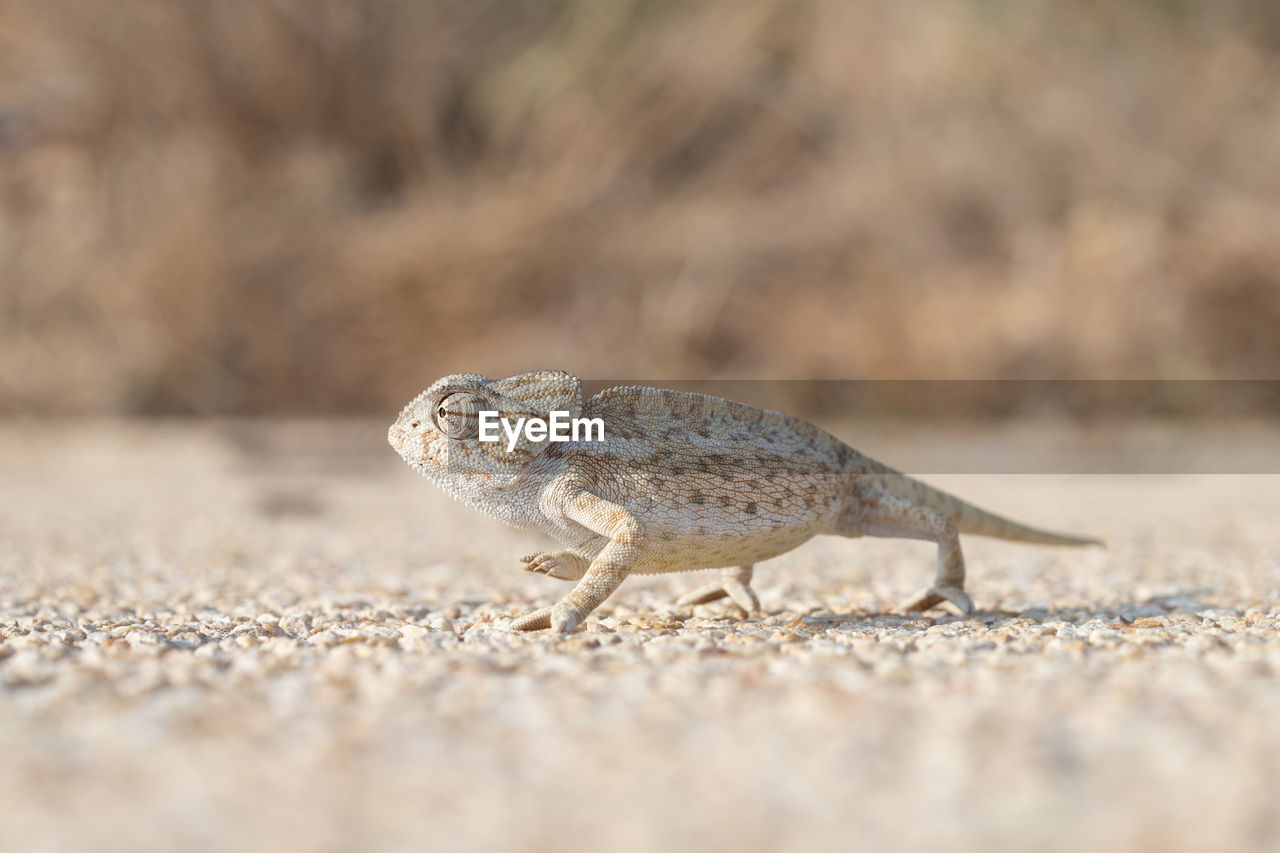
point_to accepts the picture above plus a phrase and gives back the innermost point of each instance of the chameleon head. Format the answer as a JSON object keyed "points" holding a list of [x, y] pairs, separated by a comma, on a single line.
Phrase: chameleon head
{"points": [[438, 433]]}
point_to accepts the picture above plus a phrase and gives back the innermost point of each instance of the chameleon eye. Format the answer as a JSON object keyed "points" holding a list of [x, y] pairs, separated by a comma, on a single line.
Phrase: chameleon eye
{"points": [[458, 416]]}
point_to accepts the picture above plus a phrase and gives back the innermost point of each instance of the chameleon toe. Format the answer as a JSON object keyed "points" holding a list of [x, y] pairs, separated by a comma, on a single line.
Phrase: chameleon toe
{"points": [[535, 621], [935, 595]]}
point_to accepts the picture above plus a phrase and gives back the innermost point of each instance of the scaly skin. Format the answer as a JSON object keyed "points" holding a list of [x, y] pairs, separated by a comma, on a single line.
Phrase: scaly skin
{"points": [[680, 482]]}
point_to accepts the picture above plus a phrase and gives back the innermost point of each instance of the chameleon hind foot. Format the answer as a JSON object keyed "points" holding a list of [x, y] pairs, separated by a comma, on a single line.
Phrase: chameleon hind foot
{"points": [[734, 583]]}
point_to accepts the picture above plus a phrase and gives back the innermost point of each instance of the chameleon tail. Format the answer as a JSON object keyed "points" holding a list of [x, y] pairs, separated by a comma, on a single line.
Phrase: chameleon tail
{"points": [[967, 517]]}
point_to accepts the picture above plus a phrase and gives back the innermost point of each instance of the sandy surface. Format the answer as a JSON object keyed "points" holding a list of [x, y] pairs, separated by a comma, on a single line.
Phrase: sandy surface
{"points": [[213, 637]]}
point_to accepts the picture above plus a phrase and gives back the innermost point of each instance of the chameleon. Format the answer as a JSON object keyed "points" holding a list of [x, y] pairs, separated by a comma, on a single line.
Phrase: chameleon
{"points": [[678, 482]]}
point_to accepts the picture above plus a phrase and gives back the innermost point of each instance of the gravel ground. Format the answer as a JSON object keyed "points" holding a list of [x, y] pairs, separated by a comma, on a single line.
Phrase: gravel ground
{"points": [[232, 634]]}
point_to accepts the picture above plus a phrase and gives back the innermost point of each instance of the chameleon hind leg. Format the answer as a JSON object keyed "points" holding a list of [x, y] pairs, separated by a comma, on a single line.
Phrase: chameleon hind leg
{"points": [[874, 513], [734, 583]]}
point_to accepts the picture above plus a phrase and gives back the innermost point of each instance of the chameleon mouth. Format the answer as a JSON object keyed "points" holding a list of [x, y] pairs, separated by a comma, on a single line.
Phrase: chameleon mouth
{"points": [[413, 449], [395, 437], [402, 441]]}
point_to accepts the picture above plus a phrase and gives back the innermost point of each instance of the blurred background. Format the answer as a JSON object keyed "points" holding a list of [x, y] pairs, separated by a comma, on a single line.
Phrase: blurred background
{"points": [[223, 631], [314, 206]]}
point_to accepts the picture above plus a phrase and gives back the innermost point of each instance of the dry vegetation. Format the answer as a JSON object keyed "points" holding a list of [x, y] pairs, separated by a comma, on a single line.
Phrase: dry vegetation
{"points": [[291, 205]]}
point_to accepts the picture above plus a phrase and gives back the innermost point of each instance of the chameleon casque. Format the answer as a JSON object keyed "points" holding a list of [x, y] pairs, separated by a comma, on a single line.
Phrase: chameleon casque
{"points": [[680, 482]]}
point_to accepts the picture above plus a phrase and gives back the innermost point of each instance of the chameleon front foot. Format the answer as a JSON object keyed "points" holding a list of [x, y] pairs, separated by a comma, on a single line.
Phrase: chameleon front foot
{"points": [[734, 584], [935, 595], [560, 619], [565, 565]]}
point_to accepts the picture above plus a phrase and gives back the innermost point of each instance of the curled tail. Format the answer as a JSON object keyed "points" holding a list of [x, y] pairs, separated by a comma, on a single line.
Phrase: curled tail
{"points": [[967, 517]]}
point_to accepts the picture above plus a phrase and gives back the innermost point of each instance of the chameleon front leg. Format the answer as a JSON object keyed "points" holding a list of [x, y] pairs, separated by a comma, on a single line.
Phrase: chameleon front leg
{"points": [[734, 582], [609, 568]]}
